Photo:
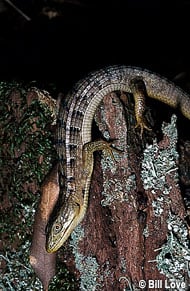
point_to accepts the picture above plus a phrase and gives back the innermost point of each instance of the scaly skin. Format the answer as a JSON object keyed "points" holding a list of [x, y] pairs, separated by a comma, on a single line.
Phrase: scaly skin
{"points": [[74, 146]]}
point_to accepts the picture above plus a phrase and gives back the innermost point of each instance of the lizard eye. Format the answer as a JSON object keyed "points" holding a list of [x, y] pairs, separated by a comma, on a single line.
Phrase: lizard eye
{"points": [[57, 227]]}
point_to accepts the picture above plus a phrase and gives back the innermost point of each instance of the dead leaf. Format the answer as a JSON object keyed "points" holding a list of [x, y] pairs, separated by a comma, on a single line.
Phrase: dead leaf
{"points": [[42, 262]]}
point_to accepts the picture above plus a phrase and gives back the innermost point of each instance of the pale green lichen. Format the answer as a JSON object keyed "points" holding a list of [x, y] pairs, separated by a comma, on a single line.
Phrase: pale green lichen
{"points": [[123, 265], [107, 271], [115, 190], [86, 265], [158, 204], [146, 231], [76, 236], [107, 161], [126, 281], [158, 163], [174, 259]]}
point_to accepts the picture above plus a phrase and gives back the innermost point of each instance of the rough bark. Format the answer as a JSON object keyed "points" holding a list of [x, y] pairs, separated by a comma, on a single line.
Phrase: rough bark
{"points": [[129, 213]]}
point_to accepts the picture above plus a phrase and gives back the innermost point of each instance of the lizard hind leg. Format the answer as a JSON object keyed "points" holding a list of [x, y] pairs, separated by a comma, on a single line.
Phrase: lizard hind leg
{"points": [[138, 90]]}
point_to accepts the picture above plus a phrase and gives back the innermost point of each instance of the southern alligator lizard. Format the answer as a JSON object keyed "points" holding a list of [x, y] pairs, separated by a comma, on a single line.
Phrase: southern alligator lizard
{"points": [[74, 146]]}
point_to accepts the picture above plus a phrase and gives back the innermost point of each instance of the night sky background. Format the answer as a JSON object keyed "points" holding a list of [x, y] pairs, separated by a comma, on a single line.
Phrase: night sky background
{"points": [[86, 35]]}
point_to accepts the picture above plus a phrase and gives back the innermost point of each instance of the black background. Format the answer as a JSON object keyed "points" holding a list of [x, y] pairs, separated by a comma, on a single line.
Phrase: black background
{"points": [[86, 35]]}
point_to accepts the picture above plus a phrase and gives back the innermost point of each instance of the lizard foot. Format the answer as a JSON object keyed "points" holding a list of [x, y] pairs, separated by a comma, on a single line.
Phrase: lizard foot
{"points": [[141, 122]]}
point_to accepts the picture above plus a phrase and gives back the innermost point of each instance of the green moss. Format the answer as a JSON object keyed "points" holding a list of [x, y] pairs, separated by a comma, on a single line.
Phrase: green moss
{"points": [[25, 158], [26, 155], [64, 280]]}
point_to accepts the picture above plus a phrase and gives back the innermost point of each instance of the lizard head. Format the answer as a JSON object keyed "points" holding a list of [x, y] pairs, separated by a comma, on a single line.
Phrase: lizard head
{"points": [[61, 228]]}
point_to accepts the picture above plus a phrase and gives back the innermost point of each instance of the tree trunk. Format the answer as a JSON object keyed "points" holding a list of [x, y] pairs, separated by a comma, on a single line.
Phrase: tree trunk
{"points": [[134, 225]]}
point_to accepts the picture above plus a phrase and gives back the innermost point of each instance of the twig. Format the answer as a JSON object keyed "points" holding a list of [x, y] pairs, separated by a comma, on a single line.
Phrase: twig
{"points": [[18, 10]]}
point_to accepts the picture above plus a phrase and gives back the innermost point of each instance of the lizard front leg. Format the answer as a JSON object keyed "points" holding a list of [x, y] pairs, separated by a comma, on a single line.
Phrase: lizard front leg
{"points": [[90, 148]]}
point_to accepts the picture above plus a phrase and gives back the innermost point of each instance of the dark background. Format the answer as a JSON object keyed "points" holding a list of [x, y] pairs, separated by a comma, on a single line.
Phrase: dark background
{"points": [[85, 35]]}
